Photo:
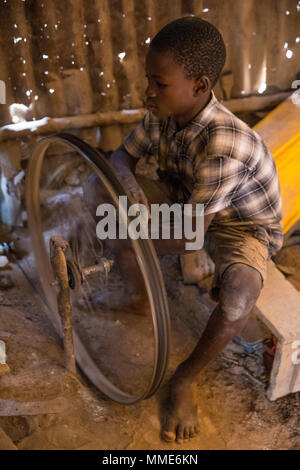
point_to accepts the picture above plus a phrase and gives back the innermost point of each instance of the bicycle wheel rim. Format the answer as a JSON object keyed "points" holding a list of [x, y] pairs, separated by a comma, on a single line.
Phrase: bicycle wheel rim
{"points": [[146, 257]]}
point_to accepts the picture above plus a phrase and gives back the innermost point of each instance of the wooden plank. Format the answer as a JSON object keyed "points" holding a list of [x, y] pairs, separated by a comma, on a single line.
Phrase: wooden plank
{"points": [[279, 305], [10, 407], [285, 374], [50, 125]]}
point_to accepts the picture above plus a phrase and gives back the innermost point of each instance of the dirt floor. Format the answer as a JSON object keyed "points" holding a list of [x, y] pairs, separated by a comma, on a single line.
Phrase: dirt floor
{"points": [[49, 408]]}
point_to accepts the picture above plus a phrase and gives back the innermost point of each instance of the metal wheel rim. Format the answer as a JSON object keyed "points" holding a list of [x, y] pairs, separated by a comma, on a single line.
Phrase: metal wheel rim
{"points": [[146, 257]]}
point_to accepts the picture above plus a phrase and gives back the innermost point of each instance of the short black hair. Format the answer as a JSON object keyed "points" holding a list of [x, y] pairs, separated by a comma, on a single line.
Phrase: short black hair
{"points": [[196, 44]]}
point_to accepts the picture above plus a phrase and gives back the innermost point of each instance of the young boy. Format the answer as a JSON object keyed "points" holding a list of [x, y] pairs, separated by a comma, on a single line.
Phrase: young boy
{"points": [[218, 161]]}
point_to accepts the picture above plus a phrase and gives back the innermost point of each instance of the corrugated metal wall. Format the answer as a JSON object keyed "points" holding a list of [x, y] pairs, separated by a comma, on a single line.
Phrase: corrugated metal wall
{"points": [[66, 57]]}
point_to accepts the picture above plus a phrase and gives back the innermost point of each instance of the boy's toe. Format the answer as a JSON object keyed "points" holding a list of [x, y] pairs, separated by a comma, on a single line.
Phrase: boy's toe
{"points": [[169, 431], [180, 435], [168, 436]]}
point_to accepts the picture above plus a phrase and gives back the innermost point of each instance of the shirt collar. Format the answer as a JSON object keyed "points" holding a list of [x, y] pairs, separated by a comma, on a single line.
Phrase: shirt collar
{"points": [[207, 113]]}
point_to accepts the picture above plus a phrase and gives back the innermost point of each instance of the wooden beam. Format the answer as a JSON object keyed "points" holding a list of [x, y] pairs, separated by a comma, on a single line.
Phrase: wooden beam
{"points": [[53, 125], [256, 103], [132, 116]]}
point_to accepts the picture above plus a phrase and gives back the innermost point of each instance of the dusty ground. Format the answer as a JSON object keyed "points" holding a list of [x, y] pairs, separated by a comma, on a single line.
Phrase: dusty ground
{"points": [[67, 412]]}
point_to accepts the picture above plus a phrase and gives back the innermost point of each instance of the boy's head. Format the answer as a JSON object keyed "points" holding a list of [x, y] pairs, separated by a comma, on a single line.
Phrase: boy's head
{"points": [[194, 43], [188, 54]]}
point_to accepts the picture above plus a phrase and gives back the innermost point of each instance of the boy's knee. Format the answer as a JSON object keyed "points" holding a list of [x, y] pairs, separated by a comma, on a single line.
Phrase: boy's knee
{"points": [[240, 288], [234, 310]]}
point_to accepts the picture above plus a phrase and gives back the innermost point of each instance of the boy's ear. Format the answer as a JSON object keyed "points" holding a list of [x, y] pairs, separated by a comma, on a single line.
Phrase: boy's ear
{"points": [[201, 85]]}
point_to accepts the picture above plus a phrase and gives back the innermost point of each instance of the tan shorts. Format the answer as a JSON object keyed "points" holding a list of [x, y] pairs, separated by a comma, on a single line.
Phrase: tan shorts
{"points": [[226, 246], [235, 245]]}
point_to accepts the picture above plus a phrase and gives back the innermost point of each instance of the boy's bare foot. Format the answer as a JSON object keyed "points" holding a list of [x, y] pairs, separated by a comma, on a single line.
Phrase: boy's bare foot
{"points": [[180, 422], [114, 300]]}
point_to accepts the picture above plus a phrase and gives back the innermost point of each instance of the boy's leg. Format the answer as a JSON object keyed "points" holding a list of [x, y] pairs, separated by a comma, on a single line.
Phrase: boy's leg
{"points": [[240, 287]]}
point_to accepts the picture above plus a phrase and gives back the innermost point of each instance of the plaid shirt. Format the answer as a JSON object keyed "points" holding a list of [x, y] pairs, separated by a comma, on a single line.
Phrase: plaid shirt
{"points": [[222, 163]]}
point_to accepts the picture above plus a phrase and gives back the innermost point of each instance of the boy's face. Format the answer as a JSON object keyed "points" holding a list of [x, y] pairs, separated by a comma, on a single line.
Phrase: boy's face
{"points": [[169, 92]]}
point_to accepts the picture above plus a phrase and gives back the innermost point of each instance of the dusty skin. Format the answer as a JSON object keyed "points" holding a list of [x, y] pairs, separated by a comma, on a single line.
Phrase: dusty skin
{"points": [[181, 419]]}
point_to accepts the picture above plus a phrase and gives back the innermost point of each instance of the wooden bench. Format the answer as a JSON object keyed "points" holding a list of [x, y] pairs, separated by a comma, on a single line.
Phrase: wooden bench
{"points": [[278, 306]]}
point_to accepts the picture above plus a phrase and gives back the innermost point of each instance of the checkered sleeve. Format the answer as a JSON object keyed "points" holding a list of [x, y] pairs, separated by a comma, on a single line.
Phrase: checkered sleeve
{"points": [[144, 138], [216, 181]]}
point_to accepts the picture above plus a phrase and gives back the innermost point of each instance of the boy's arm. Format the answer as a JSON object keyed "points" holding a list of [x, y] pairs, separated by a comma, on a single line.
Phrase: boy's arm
{"points": [[124, 166], [122, 161]]}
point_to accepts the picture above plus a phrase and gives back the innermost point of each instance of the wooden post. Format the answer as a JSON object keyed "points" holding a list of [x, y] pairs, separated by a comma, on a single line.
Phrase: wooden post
{"points": [[58, 261]]}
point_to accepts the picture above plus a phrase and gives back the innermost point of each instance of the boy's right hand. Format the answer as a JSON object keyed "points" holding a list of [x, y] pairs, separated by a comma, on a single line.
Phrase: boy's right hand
{"points": [[135, 191]]}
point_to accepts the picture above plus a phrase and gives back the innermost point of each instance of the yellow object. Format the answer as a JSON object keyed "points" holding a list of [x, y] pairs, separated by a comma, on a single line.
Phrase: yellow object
{"points": [[280, 130]]}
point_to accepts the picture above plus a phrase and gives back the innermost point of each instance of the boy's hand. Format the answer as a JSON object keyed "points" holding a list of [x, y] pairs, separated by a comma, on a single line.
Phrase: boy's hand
{"points": [[136, 193]]}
